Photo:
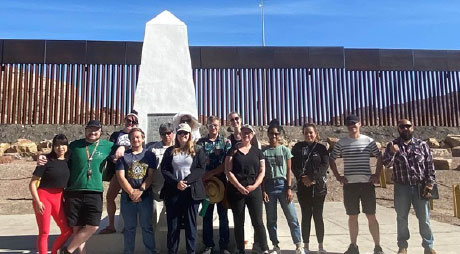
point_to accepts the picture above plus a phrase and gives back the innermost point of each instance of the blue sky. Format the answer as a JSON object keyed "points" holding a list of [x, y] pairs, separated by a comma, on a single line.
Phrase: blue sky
{"points": [[353, 24]]}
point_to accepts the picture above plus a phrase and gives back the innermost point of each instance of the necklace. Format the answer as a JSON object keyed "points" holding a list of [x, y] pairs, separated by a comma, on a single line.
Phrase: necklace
{"points": [[89, 159]]}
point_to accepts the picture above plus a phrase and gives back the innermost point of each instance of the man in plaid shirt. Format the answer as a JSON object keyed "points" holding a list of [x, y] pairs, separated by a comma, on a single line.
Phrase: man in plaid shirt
{"points": [[412, 167]]}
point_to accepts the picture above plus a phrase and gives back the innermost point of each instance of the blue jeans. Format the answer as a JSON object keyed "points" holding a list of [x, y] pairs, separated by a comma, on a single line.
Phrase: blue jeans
{"points": [[223, 226], [276, 191], [404, 196], [130, 210]]}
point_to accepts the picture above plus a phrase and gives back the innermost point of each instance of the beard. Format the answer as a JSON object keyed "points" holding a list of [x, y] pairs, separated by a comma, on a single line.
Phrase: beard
{"points": [[405, 135]]}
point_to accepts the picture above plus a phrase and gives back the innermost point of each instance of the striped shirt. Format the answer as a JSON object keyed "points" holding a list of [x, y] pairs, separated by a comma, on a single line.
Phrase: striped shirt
{"points": [[356, 157]]}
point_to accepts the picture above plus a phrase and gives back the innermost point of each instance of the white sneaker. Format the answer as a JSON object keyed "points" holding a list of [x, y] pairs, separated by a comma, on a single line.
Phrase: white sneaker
{"points": [[299, 251], [276, 250], [208, 250]]}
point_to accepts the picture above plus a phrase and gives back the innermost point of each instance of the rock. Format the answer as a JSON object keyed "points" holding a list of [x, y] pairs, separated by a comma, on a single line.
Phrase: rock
{"points": [[453, 140], [24, 147], [15, 156], [44, 144], [3, 148], [442, 163], [456, 151], [440, 152], [331, 142], [6, 159], [433, 143]]}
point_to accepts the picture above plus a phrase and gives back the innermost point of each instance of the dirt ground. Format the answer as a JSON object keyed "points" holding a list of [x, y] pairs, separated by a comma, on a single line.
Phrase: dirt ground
{"points": [[15, 197]]}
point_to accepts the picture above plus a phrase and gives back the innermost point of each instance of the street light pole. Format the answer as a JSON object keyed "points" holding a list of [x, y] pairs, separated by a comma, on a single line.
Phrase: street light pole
{"points": [[261, 5]]}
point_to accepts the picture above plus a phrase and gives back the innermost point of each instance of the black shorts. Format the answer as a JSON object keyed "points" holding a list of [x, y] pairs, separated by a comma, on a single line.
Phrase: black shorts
{"points": [[83, 208], [353, 193]]}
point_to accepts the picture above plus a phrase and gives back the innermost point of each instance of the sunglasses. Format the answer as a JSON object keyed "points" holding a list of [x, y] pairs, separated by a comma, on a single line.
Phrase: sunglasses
{"points": [[182, 133], [234, 119], [129, 121], [405, 126], [185, 120], [213, 125], [166, 133]]}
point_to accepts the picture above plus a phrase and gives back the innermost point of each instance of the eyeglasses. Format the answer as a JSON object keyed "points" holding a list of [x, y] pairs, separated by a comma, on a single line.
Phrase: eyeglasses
{"points": [[166, 133], [182, 133], [213, 125], [129, 121], [234, 119], [405, 126]]}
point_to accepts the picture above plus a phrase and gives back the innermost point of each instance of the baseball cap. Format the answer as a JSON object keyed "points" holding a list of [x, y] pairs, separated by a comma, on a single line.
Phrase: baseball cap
{"points": [[94, 123], [165, 127], [184, 127], [249, 127], [351, 119]]}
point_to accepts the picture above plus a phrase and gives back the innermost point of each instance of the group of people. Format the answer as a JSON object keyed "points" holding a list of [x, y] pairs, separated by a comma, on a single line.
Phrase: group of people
{"points": [[67, 184]]}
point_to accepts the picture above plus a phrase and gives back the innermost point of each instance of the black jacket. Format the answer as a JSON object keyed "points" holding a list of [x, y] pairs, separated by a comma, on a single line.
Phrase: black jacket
{"points": [[315, 168], [195, 181]]}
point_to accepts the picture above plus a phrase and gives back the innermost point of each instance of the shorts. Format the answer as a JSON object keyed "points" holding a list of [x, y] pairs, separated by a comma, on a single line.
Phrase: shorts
{"points": [[353, 193], [83, 208]]}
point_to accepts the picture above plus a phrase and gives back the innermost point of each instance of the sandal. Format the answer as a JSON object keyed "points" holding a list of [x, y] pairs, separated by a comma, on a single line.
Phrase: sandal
{"points": [[107, 230]]}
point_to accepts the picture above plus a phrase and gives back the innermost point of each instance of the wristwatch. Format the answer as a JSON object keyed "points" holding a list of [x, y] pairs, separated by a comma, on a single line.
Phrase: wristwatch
{"points": [[141, 188]]}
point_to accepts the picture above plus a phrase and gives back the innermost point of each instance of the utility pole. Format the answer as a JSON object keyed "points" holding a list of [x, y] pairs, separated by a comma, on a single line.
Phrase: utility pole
{"points": [[261, 5]]}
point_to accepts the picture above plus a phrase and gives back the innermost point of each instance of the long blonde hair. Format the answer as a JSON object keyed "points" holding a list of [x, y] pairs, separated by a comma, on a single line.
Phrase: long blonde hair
{"points": [[189, 147]]}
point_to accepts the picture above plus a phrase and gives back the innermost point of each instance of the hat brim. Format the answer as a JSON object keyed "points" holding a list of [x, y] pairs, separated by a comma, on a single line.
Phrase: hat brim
{"points": [[219, 195]]}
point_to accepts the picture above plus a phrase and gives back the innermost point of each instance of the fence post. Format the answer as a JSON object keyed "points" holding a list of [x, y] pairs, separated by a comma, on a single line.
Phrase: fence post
{"points": [[383, 178], [456, 193]]}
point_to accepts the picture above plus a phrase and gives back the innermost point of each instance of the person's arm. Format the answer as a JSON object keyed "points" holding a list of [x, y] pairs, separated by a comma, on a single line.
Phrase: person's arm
{"points": [[166, 168], [231, 177], [336, 152], [133, 194], [430, 171], [324, 165], [260, 175], [199, 167], [379, 165], [148, 180], [297, 161], [390, 153], [289, 194], [39, 207]]}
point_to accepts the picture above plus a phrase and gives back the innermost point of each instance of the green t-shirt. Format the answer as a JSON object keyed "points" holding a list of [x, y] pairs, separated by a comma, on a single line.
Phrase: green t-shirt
{"points": [[276, 161], [79, 180]]}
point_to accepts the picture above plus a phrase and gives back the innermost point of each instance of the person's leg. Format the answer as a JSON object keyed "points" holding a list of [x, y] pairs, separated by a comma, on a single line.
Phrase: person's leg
{"points": [[402, 202], [80, 236], [374, 228], [145, 210], [190, 216], [59, 217], [306, 207], [353, 228], [238, 206], [129, 213], [254, 202], [112, 192], [43, 222], [318, 204], [422, 211], [291, 217], [208, 227], [173, 214], [271, 211], [223, 226]]}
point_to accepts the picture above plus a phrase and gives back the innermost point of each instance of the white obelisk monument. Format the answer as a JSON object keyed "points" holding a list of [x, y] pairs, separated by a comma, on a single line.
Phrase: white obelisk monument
{"points": [[165, 84]]}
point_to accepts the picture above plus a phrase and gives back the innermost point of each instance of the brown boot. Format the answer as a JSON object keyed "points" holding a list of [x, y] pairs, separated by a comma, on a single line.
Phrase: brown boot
{"points": [[429, 251], [402, 251]]}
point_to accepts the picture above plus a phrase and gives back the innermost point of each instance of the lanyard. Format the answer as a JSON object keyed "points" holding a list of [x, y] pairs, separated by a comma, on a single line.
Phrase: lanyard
{"points": [[90, 158]]}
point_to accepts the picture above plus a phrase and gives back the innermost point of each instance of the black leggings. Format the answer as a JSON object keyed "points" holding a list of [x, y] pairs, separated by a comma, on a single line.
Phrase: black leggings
{"points": [[311, 206]]}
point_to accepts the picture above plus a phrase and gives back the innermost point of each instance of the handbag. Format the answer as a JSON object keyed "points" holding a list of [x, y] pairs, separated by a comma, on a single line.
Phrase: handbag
{"points": [[427, 194]]}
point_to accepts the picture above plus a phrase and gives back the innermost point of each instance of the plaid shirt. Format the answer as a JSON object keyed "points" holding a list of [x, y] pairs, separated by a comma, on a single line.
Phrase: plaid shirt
{"points": [[412, 164]]}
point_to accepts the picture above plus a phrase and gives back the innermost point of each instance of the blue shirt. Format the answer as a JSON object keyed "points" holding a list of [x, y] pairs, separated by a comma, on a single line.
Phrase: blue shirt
{"points": [[136, 166]]}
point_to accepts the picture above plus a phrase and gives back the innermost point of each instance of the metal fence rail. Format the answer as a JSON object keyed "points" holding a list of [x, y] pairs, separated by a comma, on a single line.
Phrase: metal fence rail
{"points": [[70, 82]]}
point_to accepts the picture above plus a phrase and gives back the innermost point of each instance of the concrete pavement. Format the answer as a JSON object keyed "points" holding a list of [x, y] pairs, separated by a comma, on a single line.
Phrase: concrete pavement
{"points": [[18, 234]]}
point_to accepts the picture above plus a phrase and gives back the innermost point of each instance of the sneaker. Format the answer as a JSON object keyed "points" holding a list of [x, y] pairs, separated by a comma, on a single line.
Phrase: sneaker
{"points": [[322, 251], [64, 250], [378, 250], [429, 251], [352, 249], [225, 252], [306, 250], [299, 251], [402, 251], [276, 250], [207, 250]]}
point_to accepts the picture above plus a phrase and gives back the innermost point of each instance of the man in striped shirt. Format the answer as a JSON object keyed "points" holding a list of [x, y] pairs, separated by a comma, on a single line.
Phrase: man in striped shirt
{"points": [[412, 166], [358, 180]]}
